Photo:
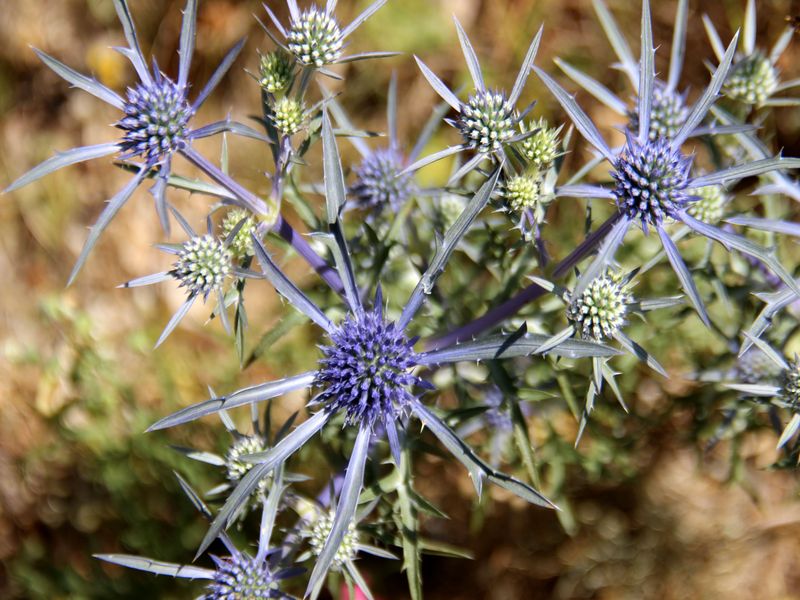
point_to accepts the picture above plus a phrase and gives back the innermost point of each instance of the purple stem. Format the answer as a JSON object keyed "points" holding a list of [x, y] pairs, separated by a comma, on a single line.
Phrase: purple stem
{"points": [[302, 247], [501, 312]]}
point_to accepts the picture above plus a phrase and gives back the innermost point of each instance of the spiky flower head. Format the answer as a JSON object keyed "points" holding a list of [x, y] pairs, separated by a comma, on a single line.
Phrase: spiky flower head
{"points": [[756, 367], [275, 72], [600, 310], [651, 180], [541, 148], [241, 577], [668, 113], [315, 38], [320, 531], [365, 370], [487, 121], [752, 80], [156, 121], [791, 383], [708, 205], [241, 246], [380, 181], [523, 192], [202, 266], [288, 115]]}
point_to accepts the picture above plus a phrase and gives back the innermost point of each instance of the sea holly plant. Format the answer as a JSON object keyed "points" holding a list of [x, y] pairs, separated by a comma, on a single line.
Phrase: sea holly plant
{"points": [[367, 378], [421, 291]]}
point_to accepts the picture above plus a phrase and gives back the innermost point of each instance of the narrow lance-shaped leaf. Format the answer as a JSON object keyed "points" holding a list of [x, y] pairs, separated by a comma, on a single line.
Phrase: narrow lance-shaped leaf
{"points": [[360, 19], [284, 286], [109, 212], [525, 69], [604, 256], [218, 74], [473, 65], [581, 120], [594, 87], [438, 86], [256, 393], [750, 169], [188, 33], [135, 55], [617, 40], [476, 467], [157, 567], [94, 87], [333, 173], [678, 45], [703, 105], [345, 511], [63, 159], [684, 276], [647, 73]]}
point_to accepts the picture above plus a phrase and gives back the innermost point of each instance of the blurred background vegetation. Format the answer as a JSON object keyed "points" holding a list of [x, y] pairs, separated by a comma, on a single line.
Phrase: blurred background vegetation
{"points": [[653, 514]]}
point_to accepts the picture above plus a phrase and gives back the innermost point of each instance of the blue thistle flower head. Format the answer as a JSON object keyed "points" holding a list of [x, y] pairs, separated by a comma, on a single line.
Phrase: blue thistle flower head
{"points": [[651, 180], [381, 180], [156, 121], [241, 577], [365, 371]]}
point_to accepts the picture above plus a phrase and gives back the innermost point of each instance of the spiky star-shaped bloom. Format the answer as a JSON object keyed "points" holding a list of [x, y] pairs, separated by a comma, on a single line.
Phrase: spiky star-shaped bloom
{"points": [[541, 147], [488, 120], [315, 38], [654, 180], [155, 122], [754, 78], [600, 311], [367, 371]]}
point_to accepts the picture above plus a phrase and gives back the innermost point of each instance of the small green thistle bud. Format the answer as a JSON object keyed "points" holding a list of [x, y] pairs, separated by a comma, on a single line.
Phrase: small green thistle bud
{"points": [[523, 192], [275, 72], [450, 208], [236, 468], [752, 80], [288, 115], [710, 205], [667, 114], [600, 310], [319, 535], [315, 38], [242, 244], [203, 264], [541, 148], [791, 383]]}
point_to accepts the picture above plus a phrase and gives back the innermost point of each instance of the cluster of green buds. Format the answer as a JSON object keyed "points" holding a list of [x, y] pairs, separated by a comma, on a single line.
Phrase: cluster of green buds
{"points": [[709, 204], [241, 245], [752, 80], [275, 72], [600, 311], [236, 468], [289, 115], [541, 148], [321, 529], [203, 264]]}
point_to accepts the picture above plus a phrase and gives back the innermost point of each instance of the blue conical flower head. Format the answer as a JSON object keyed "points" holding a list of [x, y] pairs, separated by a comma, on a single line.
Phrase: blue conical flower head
{"points": [[380, 180], [366, 368], [651, 181], [156, 121], [241, 577]]}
